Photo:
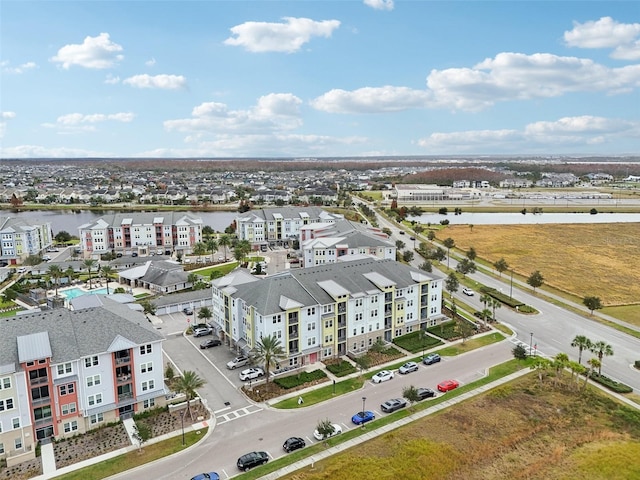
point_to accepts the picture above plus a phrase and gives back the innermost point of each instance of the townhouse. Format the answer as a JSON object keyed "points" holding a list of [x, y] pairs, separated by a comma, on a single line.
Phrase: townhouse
{"points": [[141, 233], [329, 310], [20, 238], [66, 372]]}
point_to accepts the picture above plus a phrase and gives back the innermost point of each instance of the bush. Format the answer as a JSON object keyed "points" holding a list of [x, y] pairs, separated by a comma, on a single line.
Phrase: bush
{"points": [[637, 364], [611, 384], [341, 368], [445, 330], [413, 343], [298, 379]]}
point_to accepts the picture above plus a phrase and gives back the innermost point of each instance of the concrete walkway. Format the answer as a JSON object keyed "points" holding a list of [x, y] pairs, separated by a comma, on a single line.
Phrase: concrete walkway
{"points": [[48, 459], [130, 427]]}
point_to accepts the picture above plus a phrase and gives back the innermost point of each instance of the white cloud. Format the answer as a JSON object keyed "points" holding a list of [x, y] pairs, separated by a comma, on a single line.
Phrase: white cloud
{"points": [[78, 122], [112, 79], [607, 33], [37, 151], [273, 112], [165, 82], [6, 68], [371, 100], [150, 63], [95, 52], [288, 37], [3, 125], [379, 4], [7, 115]]}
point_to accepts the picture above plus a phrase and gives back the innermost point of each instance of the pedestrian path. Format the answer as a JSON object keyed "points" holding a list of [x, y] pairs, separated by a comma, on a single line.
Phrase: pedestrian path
{"points": [[130, 427], [48, 459], [235, 414]]}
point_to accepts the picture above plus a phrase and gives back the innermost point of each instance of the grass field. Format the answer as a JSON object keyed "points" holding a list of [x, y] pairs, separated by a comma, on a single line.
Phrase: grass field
{"points": [[518, 431], [582, 260]]}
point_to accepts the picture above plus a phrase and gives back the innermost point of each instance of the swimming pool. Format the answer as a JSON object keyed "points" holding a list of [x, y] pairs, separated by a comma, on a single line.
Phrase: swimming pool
{"points": [[77, 292]]}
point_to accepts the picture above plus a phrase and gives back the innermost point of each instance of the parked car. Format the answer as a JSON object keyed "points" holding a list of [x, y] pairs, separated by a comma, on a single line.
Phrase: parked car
{"points": [[46, 258], [408, 368], [251, 373], [382, 376], [206, 476], [394, 404], [293, 443], [447, 385], [337, 430], [363, 417], [252, 459], [187, 311], [240, 361], [431, 359], [467, 291], [212, 342], [22, 270], [425, 393], [202, 331]]}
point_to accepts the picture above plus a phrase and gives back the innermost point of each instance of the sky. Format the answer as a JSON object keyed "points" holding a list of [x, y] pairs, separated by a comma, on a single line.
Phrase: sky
{"points": [[316, 78]]}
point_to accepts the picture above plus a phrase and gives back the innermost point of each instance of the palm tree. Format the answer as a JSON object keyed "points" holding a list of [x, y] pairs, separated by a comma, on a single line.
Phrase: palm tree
{"points": [[582, 343], [449, 243], [70, 273], [268, 352], [89, 263], [212, 246], [601, 349], [199, 249], [593, 364], [560, 361], [541, 364], [224, 241], [495, 303], [55, 272], [107, 271], [188, 384], [205, 314], [576, 370]]}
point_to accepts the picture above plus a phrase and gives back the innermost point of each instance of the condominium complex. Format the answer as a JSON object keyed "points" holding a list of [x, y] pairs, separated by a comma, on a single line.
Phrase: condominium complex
{"points": [[21, 238], [278, 226], [141, 233], [328, 310], [66, 372], [322, 243]]}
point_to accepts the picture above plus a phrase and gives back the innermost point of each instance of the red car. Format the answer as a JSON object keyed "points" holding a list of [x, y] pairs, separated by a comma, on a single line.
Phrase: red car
{"points": [[447, 385]]}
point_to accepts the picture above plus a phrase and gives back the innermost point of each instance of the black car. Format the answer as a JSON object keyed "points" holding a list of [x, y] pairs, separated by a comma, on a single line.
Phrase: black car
{"points": [[293, 443], [187, 311], [425, 393], [253, 459], [212, 342]]}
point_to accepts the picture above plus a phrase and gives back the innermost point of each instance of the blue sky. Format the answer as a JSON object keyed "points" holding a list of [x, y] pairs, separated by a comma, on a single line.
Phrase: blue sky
{"points": [[312, 78]]}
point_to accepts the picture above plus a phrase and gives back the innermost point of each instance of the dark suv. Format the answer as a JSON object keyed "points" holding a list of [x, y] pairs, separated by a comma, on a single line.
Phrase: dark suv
{"points": [[293, 443], [253, 459]]}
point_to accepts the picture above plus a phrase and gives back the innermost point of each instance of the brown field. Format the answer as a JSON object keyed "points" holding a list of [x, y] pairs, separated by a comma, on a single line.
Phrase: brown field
{"points": [[584, 260], [515, 432]]}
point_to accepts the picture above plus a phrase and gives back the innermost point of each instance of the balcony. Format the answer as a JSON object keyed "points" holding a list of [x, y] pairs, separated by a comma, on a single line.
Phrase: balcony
{"points": [[122, 397], [36, 402], [121, 360], [123, 379], [41, 422]]}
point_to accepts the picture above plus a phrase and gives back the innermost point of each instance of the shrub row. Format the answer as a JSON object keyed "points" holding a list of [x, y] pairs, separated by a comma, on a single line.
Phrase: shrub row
{"points": [[342, 368], [511, 302], [611, 384], [298, 379], [413, 343]]}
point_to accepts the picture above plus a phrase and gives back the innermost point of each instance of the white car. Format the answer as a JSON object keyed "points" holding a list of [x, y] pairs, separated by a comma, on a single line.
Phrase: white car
{"points": [[337, 430], [382, 376], [240, 361], [251, 374], [467, 291]]}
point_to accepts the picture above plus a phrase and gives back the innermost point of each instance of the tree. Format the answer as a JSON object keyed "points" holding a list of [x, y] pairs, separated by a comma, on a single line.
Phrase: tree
{"points": [[268, 351], [592, 303], [325, 428], [426, 266], [107, 271], [431, 235], [449, 243], [89, 263], [501, 266], [399, 244], [407, 256], [535, 280], [208, 231], [519, 352], [451, 284], [592, 364], [560, 361], [411, 394], [540, 364], [438, 254], [581, 343], [466, 266], [169, 374], [205, 314], [241, 249], [147, 307], [363, 362], [192, 278], [142, 432], [62, 237], [465, 328], [494, 305], [55, 272], [224, 241], [387, 231], [601, 349], [199, 249], [188, 384], [212, 246], [471, 254], [576, 370]]}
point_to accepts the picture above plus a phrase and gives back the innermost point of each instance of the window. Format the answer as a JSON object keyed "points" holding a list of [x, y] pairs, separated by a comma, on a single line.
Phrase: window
{"points": [[66, 389], [93, 380], [328, 324], [311, 326], [148, 385], [0, 430], [15, 422], [97, 418], [145, 349], [69, 408], [311, 341], [149, 403], [6, 404], [64, 368], [146, 367], [18, 443], [95, 399], [1, 448], [70, 426], [328, 339], [5, 383], [42, 413], [91, 361]]}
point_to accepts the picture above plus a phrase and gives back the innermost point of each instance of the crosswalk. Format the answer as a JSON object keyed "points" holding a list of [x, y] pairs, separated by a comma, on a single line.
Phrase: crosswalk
{"points": [[224, 416], [532, 350]]}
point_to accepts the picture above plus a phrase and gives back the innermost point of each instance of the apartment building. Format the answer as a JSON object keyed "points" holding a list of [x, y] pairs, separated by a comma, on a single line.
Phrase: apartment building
{"points": [[66, 372], [322, 243], [141, 233], [20, 238], [326, 311], [278, 226]]}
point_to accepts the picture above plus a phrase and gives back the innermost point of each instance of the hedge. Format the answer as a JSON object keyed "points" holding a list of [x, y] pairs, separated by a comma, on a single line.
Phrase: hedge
{"points": [[611, 384], [342, 368], [511, 302], [298, 379]]}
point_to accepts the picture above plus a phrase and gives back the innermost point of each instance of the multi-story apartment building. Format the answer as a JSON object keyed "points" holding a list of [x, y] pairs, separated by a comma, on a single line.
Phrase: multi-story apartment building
{"points": [[141, 233], [328, 310], [278, 226], [65, 372], [20, 238], [322, 243]]}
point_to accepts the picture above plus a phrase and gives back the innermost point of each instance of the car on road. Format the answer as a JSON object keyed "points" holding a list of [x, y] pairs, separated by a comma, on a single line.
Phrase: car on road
{"points": [[425, 393], [467, 291], [293, 443], [447, 385], [392, 405], [431, 359], [212, 342], [252, 459], [337, 430], [363, 417], [408, 368], [202, 331], [401, 232], [251, 373], [237, 362], [206, 476], [46, 258], [382, 376]]}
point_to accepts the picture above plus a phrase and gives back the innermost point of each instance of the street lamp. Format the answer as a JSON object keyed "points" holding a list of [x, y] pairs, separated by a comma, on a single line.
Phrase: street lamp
{"points": [[511, 287], [530, 343], [182, 417], [364, 399]]}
